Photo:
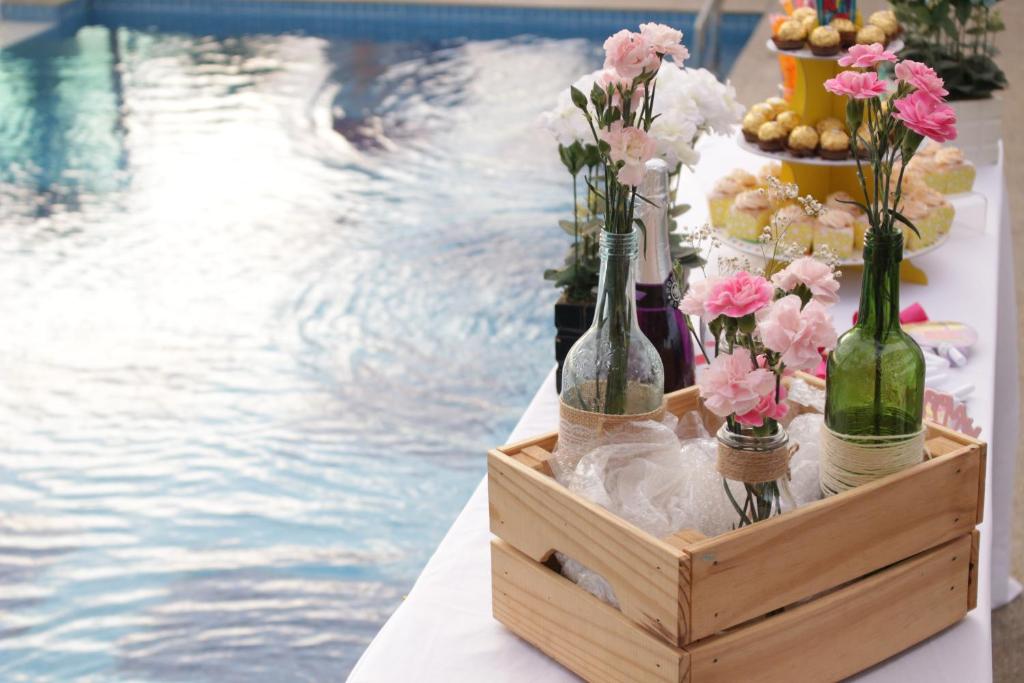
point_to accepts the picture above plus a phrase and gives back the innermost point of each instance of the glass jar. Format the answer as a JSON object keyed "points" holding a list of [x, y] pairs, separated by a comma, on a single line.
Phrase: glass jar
{"points": [[756, 473], [613, 368]]}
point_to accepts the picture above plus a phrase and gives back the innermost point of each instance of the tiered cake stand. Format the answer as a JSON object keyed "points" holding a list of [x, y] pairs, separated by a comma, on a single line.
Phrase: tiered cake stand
{"points": [[813, 175]]}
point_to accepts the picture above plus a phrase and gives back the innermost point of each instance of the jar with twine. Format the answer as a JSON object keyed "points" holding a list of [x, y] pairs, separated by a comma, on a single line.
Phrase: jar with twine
{"points": [[755, 471]]}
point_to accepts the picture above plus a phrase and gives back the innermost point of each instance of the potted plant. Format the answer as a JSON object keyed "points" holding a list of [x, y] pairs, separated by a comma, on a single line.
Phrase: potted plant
{"points": [[578, 276], [956, 37]]}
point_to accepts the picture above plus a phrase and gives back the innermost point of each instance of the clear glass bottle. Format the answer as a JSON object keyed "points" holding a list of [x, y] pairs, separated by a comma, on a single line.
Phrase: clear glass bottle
{"points": [[614, 369], [657, 292], [875, 375]]}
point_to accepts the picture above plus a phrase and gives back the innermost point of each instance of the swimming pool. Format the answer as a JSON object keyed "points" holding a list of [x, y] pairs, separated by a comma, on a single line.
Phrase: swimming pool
{"points": [[267, 298]]}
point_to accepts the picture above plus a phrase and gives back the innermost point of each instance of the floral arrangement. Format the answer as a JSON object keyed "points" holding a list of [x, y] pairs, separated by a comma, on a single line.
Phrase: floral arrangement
{"points": [[763, 323], [890, 124], [611, 135], [956, 36]]}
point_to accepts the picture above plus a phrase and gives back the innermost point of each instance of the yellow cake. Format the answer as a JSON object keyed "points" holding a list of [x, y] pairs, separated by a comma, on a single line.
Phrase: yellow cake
{"points": [[941, 212], [724, 193], [748, 215], [924, 219], [837, 200], [948, 171], [834, 230], [792, 225]]}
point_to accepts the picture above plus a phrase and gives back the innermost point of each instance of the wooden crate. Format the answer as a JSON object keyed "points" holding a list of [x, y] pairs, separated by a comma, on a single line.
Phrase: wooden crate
{"points": [[819, 593]]}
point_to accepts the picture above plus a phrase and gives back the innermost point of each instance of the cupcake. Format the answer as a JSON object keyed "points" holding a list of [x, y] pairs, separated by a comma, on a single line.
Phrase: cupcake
{"points": [[941, 211], [788, 120], [871, 34], [807, 16], [751, 122], [840, 202], [847, 31], [763, 109], [885, 21], [724, 193], [834, 230], [791, 35], [778, 106], [772, 169], [918, 213], [792, 225], [748, 215], [948, 171], [824, 41], [834, 145], [829, 123], [771, 137], [863, 140], [802, 13], [803, 141]]}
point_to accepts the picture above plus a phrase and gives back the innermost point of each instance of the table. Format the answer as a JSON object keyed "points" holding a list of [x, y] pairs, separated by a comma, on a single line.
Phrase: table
{"points": [[444, 630]]}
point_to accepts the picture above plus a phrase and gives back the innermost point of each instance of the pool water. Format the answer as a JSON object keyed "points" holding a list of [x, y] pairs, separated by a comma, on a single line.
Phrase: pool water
{"points": [[266, 300]]}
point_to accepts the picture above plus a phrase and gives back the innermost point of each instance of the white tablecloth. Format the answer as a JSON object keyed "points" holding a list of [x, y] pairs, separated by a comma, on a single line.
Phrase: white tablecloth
{"points": [[444, 630]]}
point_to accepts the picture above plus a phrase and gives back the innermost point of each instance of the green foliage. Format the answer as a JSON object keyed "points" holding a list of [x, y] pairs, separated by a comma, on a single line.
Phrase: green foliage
{"points": [[954, 37]]}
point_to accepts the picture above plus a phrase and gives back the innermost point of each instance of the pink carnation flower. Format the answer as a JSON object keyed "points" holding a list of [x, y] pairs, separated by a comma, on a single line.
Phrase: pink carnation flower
{"points": [[859, 86], [738, 295], [731, 384], [797, 334], [814, 275], [629, 54], [926, 116], [922, 77], [696, 295], [665, 40], [631, 146], [866, 56], [609, 76], [766, 408]]}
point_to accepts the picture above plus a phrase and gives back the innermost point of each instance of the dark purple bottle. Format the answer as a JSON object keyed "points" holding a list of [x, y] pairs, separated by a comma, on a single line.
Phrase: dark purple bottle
{"points": [[657, 293]]}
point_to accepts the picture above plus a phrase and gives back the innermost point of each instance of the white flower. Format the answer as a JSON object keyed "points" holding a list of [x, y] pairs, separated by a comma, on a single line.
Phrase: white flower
{"points": [[716, 101], [565, 121]]}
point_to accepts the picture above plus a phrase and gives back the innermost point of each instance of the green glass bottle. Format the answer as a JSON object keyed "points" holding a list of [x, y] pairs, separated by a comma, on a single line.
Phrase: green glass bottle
{"points": [[875, 375]]}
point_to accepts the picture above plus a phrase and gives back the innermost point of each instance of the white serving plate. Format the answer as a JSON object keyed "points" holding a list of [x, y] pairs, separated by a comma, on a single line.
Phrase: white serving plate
{"points": [[754, 248], [894, 45]]}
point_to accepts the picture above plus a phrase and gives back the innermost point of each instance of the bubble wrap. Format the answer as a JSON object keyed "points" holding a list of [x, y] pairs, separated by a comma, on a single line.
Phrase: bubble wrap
{"points": [[661, 477]]}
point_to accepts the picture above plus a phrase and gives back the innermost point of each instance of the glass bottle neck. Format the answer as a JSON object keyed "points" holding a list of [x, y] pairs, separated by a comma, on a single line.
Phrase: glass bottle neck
{"points": [[616, 289], [880, 292], [655, 263]]}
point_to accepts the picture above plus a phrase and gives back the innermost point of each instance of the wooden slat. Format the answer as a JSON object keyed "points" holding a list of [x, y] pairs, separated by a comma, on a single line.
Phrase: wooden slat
{"points": [[568, 624], [751, 571], [545, 441], [684, 538], [537, 515], [972, 593], [940, 445], [847, 630]]}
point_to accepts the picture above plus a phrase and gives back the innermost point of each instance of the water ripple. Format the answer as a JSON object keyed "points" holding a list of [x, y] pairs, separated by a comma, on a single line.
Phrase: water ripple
{"points": [[267, 300]]}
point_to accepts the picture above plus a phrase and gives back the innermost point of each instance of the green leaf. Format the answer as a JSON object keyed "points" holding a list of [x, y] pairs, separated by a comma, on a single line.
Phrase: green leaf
{"points": [[678, 210], [578, 98], [903, 219], [598, 97], [568, 226]]}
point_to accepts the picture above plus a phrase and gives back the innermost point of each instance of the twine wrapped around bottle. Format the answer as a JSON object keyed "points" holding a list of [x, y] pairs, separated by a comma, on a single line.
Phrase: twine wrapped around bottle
{"points": [[848, 461], [755, 467], [580, 431]]}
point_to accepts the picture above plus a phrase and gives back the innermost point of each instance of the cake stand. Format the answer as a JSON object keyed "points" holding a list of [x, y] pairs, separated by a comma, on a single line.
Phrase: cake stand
{"points": [[813, 175]]}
